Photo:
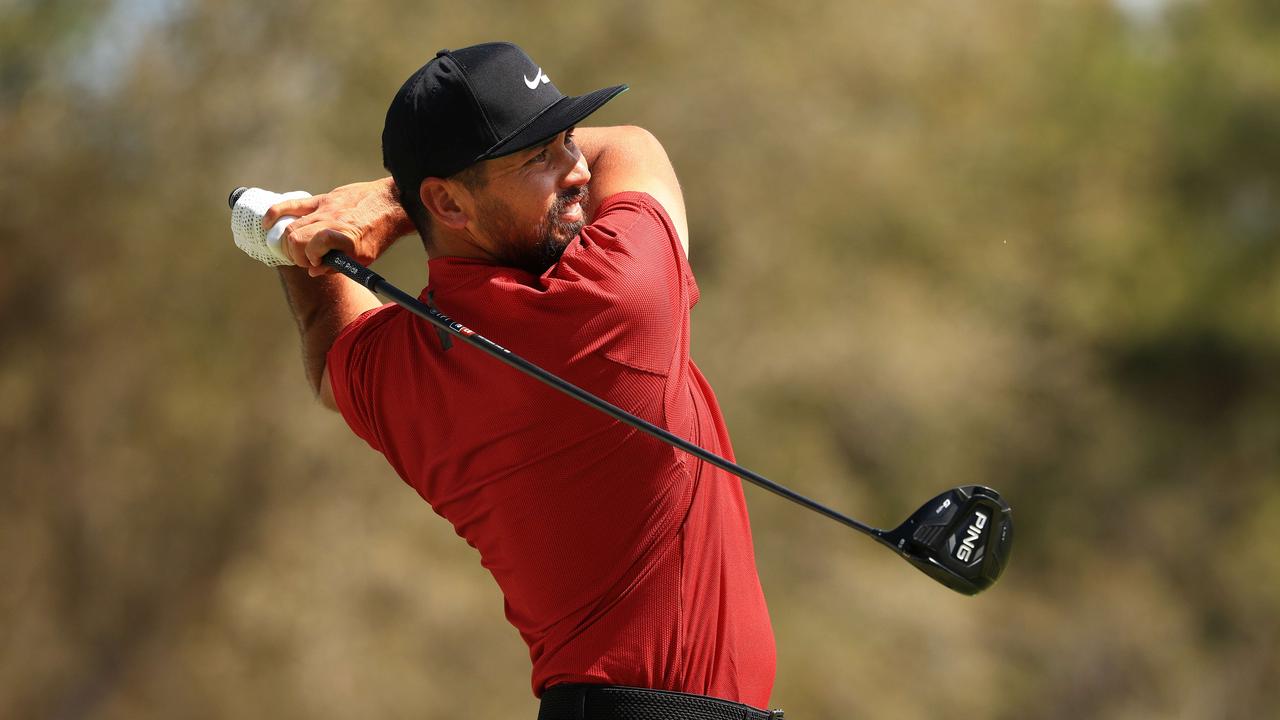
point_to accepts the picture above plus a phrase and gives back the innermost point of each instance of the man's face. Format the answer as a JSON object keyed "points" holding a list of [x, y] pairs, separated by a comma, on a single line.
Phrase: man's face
{"points": [[532, 204]]}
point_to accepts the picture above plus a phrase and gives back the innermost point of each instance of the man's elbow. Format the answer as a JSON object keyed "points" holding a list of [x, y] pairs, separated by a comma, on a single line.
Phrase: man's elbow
{"points": [[641, 142]]}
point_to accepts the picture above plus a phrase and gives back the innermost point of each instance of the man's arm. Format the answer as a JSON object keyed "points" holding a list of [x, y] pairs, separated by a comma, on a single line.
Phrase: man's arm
{"points": [[322, 307], [631, 158], [362, 220]]}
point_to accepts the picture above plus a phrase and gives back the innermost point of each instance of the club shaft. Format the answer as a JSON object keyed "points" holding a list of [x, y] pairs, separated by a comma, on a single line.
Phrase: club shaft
{"points": [[376, 283]]}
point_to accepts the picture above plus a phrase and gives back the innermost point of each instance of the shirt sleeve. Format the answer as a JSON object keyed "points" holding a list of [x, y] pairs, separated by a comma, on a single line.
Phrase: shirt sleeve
{"points": [[634, 231], [626, 276], [353, 364]]}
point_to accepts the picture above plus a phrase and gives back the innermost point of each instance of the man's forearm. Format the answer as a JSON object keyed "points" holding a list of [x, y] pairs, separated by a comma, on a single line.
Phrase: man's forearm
{"points": [[322, 307], [361, 219], [595, 141]]}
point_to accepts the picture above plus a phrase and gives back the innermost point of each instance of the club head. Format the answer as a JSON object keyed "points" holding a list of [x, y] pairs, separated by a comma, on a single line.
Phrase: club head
{"points": [[961, 538]]}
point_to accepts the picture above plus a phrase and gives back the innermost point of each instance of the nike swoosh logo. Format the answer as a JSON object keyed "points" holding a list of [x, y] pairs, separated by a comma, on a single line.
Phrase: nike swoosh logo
{"points": [[538, 77]]}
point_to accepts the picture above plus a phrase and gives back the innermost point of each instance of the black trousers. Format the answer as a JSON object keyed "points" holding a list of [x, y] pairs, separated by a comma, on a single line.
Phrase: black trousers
{"points": [[608, 702]]}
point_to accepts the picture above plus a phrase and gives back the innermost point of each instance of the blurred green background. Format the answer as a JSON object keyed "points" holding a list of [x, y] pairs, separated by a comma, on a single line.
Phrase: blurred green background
{"points": [[1033, 244]]}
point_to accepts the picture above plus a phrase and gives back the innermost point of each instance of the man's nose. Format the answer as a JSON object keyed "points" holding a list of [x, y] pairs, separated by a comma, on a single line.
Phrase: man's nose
{"points": [[578, 175]]}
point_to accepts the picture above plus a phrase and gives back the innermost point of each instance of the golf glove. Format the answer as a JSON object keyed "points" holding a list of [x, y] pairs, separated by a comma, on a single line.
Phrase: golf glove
{"points": [[246, 225]]}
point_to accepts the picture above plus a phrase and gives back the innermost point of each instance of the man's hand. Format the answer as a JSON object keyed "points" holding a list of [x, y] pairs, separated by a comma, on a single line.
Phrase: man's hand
{"points": [[361, 219]]}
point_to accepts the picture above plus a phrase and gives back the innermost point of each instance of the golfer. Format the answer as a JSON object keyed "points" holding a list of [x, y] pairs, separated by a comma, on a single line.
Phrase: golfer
{"points": [[626, 565]]}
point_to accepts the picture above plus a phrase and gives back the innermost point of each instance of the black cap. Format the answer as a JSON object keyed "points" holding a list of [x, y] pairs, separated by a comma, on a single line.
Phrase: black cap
{"points": [[474, 104]]}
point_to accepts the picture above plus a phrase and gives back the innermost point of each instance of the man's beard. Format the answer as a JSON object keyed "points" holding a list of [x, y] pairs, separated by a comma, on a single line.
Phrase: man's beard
{"points": [[536, 250]]}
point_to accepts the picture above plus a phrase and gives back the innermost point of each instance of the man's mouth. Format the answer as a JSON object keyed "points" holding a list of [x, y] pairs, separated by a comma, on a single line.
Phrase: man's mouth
{"points": [[572, 212], [568, 210]]}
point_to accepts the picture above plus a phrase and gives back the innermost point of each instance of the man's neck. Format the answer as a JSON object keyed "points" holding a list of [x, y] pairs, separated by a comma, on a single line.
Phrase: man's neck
{"points": [[456, 244]]}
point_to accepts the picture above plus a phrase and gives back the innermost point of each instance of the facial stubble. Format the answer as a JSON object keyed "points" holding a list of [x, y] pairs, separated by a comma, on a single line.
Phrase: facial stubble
{"points": [[536, 249]]}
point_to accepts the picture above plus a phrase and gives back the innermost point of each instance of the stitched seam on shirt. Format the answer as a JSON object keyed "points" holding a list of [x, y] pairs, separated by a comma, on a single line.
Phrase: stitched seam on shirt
{"points": [[633, 366]]}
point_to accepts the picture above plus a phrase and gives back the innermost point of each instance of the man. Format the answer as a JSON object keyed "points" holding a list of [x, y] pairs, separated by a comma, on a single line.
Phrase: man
{"points": [[623, 562]]}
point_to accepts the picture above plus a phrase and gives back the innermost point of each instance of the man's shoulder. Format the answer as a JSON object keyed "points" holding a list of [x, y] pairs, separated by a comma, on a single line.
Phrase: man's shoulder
{"points": [[634, 215], [369, 325], [630, 203]]}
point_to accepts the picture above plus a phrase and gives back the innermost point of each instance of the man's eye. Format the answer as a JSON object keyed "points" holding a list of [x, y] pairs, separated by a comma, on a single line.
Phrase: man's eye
{"points": [[537, 158]]}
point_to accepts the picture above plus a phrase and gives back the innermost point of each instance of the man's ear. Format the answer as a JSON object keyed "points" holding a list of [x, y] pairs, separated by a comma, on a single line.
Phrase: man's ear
{"points": [[443, 200]]}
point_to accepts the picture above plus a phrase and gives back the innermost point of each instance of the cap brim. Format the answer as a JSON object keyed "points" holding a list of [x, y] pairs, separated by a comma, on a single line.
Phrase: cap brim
{"points": [[558, 117]]}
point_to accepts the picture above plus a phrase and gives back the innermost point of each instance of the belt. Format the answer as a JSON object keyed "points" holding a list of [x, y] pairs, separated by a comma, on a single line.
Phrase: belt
{"points": [[609, 702]]}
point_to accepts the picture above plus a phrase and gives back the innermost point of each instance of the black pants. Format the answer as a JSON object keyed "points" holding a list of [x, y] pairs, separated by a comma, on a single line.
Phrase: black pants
{"points": [[607, 702]]}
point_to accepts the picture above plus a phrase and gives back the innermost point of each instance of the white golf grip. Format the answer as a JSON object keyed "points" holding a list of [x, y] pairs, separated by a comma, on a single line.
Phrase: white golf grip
{"points": [[246, 225]]}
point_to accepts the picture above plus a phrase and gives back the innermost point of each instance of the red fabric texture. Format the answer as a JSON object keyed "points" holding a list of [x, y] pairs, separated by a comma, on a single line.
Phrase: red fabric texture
{"points": [[621, 559]]}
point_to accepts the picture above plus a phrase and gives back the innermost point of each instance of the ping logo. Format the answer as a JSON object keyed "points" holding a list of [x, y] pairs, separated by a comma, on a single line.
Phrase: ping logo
{"points": [[969, 545]]}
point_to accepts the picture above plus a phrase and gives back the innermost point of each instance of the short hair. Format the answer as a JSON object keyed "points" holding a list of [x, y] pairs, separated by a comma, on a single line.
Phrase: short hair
{"points": [[473, 177]]}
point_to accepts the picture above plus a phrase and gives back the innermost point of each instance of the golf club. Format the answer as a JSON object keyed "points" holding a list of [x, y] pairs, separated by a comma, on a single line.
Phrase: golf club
{"points": [[961, 538]]}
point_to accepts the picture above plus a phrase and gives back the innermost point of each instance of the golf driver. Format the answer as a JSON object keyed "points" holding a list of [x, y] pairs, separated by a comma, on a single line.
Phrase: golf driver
{"points": [[961, 538]]}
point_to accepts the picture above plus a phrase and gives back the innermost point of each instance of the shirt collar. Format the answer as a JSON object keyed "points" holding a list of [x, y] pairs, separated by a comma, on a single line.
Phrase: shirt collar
{"points": [[445, 274]]}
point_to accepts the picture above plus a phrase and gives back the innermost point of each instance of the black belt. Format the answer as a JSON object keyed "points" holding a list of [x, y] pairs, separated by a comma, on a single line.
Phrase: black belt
{"points": [[606, 702]]}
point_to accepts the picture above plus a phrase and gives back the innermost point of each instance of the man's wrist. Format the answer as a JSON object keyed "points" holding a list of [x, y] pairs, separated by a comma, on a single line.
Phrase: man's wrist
{"points": [[397, 220]]}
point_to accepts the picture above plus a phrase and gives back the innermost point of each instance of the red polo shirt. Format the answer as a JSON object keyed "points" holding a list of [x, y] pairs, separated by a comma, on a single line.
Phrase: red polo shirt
{"points": [[621, 559]]}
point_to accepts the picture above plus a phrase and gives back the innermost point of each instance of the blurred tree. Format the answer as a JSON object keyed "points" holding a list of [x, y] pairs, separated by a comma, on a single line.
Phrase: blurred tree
{"points": [[1025, 244]]}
